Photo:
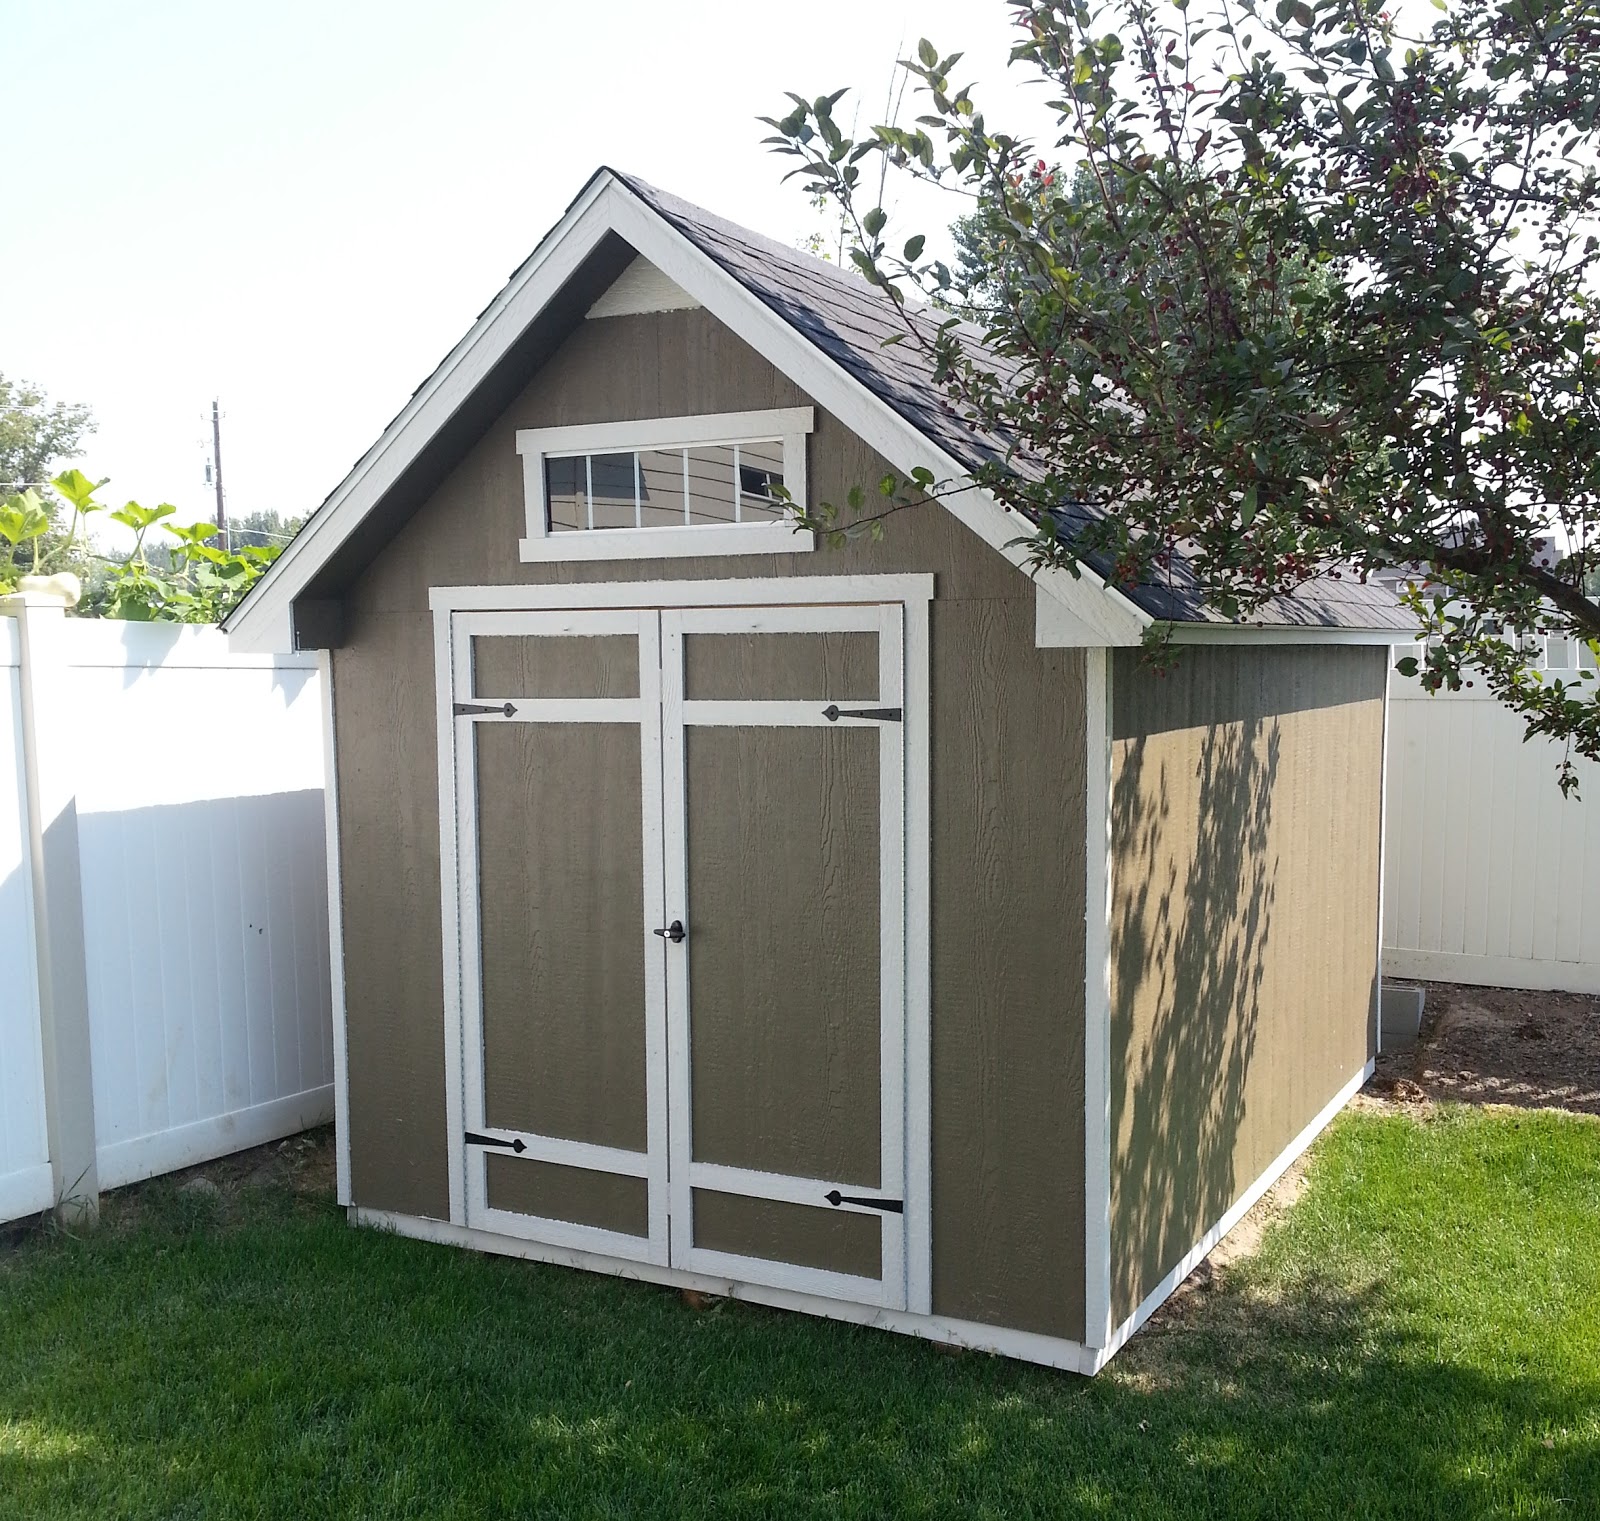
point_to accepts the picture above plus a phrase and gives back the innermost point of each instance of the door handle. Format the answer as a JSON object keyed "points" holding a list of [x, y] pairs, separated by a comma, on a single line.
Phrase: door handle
{"points": [[673, 932]]}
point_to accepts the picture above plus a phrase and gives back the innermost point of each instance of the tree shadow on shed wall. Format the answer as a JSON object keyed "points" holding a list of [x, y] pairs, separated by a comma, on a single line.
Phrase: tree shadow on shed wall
{"points": [[1191, 923]]}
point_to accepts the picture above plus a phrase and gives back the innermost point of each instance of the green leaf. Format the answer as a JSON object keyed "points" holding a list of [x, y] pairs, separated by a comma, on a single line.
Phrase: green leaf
{"points": [[927, 54], [913, 248], [874, 221]]}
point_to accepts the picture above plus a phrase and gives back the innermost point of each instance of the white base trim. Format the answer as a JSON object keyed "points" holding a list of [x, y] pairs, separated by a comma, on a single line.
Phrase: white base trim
{"points": [[1493, 971], [1026, 1346], [29, 1191], [147, 1156], [1246, 1201]]}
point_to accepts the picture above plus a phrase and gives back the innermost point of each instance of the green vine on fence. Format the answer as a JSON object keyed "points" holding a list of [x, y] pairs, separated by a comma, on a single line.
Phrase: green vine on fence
{"points": [[193, 580]]}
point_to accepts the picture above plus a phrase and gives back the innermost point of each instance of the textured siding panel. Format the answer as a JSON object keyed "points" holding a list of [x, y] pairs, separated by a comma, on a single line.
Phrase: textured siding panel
{"points": [[1008, 788], [1245, 807]]}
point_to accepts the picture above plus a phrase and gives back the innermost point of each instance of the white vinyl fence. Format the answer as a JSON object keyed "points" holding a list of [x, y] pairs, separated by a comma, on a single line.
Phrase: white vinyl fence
{"points": [[1490, 875], [164, 917]]}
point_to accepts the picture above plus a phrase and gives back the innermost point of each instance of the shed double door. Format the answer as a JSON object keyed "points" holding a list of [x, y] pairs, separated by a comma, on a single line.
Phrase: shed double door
{"points": [[682, 854]]}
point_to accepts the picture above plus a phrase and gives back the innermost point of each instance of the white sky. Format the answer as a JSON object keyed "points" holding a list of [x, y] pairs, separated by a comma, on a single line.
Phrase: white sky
{"points": [[300, 207]]}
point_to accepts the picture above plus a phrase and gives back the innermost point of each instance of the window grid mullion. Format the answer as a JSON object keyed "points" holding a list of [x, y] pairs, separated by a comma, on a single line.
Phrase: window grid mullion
{"points": [[588, 486], [738, 495]]}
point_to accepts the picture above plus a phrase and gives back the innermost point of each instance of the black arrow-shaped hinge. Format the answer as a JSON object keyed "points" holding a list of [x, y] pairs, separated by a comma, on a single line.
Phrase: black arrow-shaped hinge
{"points": [[889, 1206], [467, 708], [518, 1145], [833, 713]]}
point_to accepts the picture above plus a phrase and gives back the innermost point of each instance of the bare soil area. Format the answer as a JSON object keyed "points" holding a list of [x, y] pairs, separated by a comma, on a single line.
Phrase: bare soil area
{"points": [[1498, 1046]]}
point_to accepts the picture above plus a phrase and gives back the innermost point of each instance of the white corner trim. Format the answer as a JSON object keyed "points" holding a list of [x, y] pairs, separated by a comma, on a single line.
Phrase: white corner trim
{"points": [[1025, 1346], [1383, 850], [1097, 1328], [330, 819], [1246, 1201], [640, 289]]}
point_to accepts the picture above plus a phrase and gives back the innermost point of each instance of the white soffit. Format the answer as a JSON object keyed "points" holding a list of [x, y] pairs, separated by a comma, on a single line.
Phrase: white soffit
{"points": [[641, 288]]}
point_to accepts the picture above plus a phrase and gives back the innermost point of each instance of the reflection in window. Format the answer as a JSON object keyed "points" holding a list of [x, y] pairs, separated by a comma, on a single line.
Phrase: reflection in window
{"points": [[661, 488]]}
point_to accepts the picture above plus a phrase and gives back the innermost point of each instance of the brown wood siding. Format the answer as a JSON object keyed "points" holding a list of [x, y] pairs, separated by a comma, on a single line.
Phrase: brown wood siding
{"points": [[784, 950], [838, 1241], [1245, 810], [1007, 808], [560, 861]]}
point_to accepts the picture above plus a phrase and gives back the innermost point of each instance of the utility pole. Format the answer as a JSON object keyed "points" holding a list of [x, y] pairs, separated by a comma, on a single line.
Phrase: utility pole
{"points": [[216, 462]]}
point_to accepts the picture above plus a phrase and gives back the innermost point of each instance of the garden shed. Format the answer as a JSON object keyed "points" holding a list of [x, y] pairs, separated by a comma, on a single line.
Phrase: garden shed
{"points": [[867, 931]]}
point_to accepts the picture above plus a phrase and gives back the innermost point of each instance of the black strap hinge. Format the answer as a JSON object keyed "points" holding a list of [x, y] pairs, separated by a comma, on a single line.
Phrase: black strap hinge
{"points": [[833, 713], [466, 708], [889, 1206], [519, 1145]]}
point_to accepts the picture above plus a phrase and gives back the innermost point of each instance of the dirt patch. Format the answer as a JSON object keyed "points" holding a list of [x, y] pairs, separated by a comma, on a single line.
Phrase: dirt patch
{"points": [[1498, 1046]]}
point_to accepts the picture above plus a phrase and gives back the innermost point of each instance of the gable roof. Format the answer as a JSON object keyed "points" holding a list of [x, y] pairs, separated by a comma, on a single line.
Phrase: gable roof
{"points": [[823, 326]]}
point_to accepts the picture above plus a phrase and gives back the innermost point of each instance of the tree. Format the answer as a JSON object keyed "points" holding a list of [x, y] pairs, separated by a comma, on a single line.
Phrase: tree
{"points": [[36, 435], [1315, 296]]}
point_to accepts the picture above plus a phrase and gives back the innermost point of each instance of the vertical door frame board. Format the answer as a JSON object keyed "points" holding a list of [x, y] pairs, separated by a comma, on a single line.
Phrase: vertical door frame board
{"points": [[330, 819], [1097, 1312], [914, 592], [450, 896]]}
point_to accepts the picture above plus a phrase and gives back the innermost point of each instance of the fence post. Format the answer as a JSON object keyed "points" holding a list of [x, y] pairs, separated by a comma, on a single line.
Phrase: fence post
{"points": [[48, 729]]}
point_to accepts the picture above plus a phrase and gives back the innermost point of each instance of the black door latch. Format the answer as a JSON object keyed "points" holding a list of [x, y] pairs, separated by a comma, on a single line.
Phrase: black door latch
{"points": [[673, 932]]}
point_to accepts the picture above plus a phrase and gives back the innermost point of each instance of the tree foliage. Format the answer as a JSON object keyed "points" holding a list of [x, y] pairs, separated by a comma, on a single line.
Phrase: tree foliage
{"points": [[1312, 296], [36, 434]]}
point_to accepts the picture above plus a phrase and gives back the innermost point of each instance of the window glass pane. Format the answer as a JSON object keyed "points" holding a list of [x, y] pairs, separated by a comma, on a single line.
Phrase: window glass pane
{"points": [[611, 481], [564, 493], [661, 471], [760, 468], [711, 485]]}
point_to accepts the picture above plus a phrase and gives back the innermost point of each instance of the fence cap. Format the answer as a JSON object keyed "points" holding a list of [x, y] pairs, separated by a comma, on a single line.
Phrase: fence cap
{"points": [[60, 590]]}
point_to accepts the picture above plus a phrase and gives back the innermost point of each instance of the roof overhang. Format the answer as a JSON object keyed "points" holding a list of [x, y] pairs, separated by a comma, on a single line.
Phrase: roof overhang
{"points": [[1083, 606]]}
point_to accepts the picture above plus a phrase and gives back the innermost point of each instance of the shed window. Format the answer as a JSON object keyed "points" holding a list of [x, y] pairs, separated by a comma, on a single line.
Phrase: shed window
{"points": [[717, 484]]}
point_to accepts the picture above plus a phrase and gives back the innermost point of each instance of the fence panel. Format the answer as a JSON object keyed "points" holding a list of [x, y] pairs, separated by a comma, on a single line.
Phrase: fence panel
{"points": [[1490, 875], [204, 895], [25, 1181]]}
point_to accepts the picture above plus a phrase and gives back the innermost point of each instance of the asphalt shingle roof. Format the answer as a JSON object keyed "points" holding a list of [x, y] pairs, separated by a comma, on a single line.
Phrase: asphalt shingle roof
{"points": [[848, 320]]}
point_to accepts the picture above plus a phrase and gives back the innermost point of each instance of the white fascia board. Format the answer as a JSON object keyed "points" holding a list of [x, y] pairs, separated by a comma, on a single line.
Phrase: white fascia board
{"points": [[1284, 633], [262, 623], [1095, 604]]}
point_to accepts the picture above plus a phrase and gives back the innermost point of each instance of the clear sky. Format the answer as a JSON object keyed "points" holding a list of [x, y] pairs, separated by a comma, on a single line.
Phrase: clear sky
{"points": [[300, 207]]}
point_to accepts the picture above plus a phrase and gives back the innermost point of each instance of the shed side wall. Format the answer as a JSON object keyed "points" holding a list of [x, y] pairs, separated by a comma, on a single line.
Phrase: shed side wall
{"points": [[1246, 786], [1007, 850]]}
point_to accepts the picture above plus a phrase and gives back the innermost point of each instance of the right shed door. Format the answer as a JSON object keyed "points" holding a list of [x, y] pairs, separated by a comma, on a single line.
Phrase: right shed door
{"points": [[783, 780]]}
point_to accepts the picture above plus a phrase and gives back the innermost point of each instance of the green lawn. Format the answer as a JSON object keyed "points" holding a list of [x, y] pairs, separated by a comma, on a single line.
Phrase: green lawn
{"points": [[1419, 1337]]}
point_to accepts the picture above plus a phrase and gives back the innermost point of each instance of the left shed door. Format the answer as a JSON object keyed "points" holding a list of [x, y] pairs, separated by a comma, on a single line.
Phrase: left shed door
{"points": [[557, 753]]}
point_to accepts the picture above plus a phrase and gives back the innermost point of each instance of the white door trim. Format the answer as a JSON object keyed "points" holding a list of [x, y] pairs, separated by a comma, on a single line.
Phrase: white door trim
{"points": [[464, 973], [786, 603]]}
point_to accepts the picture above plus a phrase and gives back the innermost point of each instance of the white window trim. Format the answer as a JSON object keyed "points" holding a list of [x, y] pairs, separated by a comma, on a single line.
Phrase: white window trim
{"points": [[668, 541]]}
